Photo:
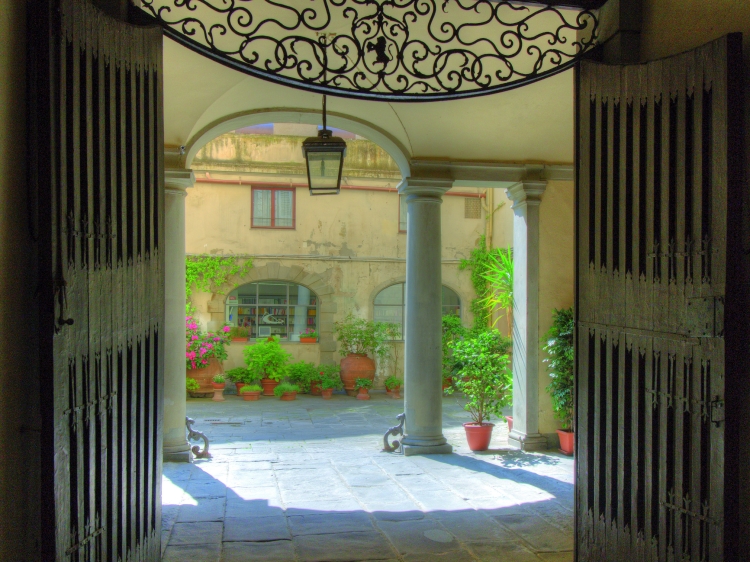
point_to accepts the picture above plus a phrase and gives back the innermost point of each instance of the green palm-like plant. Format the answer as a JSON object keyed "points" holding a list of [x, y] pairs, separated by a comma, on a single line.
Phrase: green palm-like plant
{"points": [[499, 275], [560, 363]]}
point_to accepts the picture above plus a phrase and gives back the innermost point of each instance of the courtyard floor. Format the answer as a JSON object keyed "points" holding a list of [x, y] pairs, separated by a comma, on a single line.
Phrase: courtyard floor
{"points": [[307, 481]]}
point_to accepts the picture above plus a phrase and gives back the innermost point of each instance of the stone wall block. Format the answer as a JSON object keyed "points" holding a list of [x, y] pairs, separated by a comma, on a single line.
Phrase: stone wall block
{"points": [[273, 270], [327, 357], [309, 279], [284, 272], [324, 290], [329, 306], [327, 346], [216, 306], [260, 272], [297, 274], [326, 326]]}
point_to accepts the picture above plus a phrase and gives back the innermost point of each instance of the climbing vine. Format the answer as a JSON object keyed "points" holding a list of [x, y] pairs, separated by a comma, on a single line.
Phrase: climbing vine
{"points": [[209, 273]]}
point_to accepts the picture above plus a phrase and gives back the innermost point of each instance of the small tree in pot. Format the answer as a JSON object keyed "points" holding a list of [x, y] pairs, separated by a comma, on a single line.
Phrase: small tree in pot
{"points": [[483, 375], [357, 338], [267, 360], [560, 362]]}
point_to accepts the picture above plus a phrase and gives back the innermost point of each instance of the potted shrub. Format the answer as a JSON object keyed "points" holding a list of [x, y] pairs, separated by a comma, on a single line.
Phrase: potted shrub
{"points": [[191, 385], [204, 353], [303, 374], [452, 330], [328, 383], [560, 361], [239, 334], [286, 391], [393, 385], [363, 386], [237, 376], [251, 392], [266, 360], [308, 336], [357, 338], [218, 383], [483, 375], [331, 371]]}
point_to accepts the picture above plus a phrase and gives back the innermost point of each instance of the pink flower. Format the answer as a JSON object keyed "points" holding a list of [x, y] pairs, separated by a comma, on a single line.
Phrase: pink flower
{"points": [[204, 362], [226, 329], [194, 338], [192, 325], [217, 338]]}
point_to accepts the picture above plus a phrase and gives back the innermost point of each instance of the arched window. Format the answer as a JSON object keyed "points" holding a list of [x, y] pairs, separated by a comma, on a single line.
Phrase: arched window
{"points": [[273, 308], [389, 304]]}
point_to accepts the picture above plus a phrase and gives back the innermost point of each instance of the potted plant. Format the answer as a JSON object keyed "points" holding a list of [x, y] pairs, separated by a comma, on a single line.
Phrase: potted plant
{"points": [[452, 330], [251, 392], [364, 386], [191, 385], [484, 377], [328, 383], [358, 338], [204, 353], [308, 336], [286, 391], [239, 334], [266, 360], [393, 385], [303, 374], [218, 383], [560, 361], [331, 371], [237, 376]]}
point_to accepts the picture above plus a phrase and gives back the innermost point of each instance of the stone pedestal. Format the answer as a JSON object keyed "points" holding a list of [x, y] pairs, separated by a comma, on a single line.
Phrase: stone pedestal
{"points": [[526, 197], [423, 395], [176, 447]]}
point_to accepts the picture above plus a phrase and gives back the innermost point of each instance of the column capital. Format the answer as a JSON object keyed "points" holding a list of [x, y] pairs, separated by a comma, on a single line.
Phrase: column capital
{"points": [[526, 192], [425, 187], [177, 181]]}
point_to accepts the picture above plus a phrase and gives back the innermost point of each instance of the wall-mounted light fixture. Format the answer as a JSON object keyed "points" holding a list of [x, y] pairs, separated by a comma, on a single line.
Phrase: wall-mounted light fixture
{"points": [[324, 155]]}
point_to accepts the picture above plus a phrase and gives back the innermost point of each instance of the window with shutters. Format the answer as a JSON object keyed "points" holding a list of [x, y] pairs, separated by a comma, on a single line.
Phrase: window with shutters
{"points": [[273, 207]]}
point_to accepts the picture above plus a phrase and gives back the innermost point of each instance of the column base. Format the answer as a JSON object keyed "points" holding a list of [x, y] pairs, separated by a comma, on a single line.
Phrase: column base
{"points": [[411, 450], [530, 442], [178, 453]]}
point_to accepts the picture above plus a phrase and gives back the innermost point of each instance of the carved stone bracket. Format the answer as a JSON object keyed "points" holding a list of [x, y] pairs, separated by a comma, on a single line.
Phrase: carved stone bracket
{"points": [[194, 436], [395, 430]]}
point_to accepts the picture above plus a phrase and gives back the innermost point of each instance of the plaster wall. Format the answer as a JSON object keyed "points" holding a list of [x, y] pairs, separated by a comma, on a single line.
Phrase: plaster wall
{"points": [[673, 26], [19, 399]]}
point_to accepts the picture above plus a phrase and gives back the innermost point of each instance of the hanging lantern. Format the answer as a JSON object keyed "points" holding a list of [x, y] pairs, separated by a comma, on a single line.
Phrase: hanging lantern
{"points": [[324, 155]]}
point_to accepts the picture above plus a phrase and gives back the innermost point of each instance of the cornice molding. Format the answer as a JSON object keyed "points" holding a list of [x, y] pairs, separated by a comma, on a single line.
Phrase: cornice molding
{"points": [[527, 193], [491, 172]]}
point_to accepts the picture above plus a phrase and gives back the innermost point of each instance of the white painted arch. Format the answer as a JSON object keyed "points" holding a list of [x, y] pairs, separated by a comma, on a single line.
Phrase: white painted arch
{"points": [[305, 116]]}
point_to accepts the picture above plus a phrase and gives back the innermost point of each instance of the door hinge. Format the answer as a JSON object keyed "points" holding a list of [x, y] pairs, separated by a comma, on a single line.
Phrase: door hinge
{"points": [[717, 411], [705, 317]]}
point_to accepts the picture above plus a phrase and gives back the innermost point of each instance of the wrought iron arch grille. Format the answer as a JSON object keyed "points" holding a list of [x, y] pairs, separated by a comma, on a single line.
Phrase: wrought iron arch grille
{"points": [[391, 50]]}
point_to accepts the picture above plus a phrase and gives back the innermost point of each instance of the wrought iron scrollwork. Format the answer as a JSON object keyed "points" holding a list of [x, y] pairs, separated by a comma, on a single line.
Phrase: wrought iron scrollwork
{"points": [[397, 50], [395, 430], [194, 436]]}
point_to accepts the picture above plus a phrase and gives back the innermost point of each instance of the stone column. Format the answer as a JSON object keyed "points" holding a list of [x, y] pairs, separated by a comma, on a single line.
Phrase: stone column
{"points": [[526, 197], [176, 447], [423, 395]]}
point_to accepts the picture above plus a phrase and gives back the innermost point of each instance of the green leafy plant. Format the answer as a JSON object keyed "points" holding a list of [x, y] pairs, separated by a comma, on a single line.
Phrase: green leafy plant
{"points": [[329, 370], [251, 388], [238, 332], [363, 383], [499, 275], [191, 384], [392, 382], [238, 374], [309, 333], [390, 361], [303, 374], [200, 347], [357, 335], [285, 387], [560, 363], [208, 273], [483, 374], [266, 359], [219, 379], [331, 381], [453, 331]]}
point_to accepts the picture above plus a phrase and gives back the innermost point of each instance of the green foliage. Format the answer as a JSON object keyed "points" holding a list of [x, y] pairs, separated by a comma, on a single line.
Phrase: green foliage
{"points": [[392, 382], [210, 273], [302, 374], [453, 331], [492, 279], [363, 383], [483, 374], [285, 387], [329, 370], [266, 359], [237, 374], [191, 384], [331, 380], [560, 363], [219, 379], [251, 388], [238, 332], [357, 335]]}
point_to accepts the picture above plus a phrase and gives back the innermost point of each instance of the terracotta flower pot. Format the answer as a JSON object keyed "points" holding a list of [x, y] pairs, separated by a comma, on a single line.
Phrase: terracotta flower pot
{"points": [[239, 386], [307, 340], [205, 376], [237, 339], [447, 383], [567, 441], [363, 394], [510, 423], [218, 395], [394, 392], [356, 366], [268, 386], [478, 436], [326, 393], [288, 396], [218, 385], [251, 396], [315, 389]]}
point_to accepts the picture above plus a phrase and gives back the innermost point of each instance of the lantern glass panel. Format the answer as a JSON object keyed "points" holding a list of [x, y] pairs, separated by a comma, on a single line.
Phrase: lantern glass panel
{"points": [[324, 168]]}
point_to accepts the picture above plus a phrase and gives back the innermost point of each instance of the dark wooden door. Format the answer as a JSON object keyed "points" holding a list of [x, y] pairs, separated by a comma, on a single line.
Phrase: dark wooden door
{"points": [[658, 185], [95, 154]]}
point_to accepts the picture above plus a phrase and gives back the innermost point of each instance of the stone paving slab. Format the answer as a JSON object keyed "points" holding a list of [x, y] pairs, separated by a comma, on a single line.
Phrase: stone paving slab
{"points": [[307, 481]]}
